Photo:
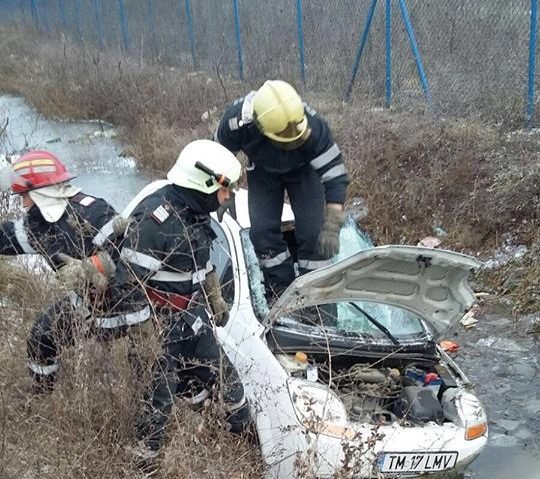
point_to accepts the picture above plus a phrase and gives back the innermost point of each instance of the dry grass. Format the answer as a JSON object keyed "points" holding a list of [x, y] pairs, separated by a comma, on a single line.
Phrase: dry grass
{"points": [[84, 427], [417, 173]]}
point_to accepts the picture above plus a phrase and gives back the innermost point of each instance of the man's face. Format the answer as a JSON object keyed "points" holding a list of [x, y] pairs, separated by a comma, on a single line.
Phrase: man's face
{"points": [[223, 195], [26, 201]]}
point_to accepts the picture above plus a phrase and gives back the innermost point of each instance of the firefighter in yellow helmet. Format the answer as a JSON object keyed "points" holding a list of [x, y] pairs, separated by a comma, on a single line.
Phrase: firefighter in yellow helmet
{"points": [[290, 149]]}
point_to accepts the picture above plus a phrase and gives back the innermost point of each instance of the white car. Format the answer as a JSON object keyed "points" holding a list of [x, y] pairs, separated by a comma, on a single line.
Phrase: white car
{"points": [[359, 385]]}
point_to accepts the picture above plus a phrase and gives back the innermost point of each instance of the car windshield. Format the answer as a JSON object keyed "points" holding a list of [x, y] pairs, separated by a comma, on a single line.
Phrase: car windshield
{"points": [[346, 317]]}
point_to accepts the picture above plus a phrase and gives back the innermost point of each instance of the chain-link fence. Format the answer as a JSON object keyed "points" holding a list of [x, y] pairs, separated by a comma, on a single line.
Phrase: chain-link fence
{"points": [[470, 57]]}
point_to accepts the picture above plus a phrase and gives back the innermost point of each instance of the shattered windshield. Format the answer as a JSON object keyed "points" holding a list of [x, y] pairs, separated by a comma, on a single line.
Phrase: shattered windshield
{"points": [[348, 318]]}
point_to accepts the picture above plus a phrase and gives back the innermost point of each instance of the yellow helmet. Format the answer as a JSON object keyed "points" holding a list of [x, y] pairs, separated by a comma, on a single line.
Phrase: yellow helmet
{"points": [[279, 112]]}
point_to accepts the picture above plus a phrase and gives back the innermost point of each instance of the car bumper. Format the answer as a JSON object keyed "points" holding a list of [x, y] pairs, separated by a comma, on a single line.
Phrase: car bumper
{"points": [[322, 456]]}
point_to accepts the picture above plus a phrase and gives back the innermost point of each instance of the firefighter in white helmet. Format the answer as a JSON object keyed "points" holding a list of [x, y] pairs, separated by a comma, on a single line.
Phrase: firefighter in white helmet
{"points": [[290, 149], [165, 259]]}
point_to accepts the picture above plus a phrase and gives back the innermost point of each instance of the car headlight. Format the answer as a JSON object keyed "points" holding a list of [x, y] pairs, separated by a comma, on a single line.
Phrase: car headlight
{"points": [[318, 409], [466, 411]]}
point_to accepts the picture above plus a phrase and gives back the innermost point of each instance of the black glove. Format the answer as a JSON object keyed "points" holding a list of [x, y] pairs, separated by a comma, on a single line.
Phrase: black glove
{"points": [[219, 306], [328, 243], [227, 205]]}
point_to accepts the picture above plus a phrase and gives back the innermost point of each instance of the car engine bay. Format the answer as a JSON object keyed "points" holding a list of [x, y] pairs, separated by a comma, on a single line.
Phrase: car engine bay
{"points": [[408, 392]]}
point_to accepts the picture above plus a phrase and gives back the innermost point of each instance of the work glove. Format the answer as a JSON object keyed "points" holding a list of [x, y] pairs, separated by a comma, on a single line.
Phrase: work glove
{"points": [[220, 308], [120, 224], [227, 205], [93, 271], [328, 243]]}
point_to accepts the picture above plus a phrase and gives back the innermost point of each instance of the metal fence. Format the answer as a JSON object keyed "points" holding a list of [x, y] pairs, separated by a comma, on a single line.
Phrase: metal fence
{"points": [[462, 57]]}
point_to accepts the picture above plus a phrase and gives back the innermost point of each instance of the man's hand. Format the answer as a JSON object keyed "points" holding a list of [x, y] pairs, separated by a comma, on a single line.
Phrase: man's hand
{"points": [[121, 224], [328, 243], [220, 308], [227, 205], [94, 271]]}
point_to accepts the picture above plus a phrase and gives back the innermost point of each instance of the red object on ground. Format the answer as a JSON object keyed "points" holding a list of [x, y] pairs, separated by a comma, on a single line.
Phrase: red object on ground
{"points": [[430, 377], [449, 346]]}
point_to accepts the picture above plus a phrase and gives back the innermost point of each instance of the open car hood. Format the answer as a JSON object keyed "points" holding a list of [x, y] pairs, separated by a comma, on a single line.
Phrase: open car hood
{"points": [[431, 283]]}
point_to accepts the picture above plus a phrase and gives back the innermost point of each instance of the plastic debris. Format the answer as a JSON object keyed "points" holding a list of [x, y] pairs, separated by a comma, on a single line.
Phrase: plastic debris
{"points": [[468, 320], [449, 346], [481, 295], [429, 242], [105, 134]]}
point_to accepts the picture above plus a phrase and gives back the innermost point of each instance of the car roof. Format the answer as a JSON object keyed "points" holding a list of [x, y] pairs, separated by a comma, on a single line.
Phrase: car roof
{"points": [[242, 211]]}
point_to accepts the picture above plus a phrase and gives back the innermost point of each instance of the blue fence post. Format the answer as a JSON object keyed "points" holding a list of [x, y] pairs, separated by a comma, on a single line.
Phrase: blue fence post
{"points": [[388, 41], [45, 15], [238, 40], [34, 10], [78, 19], [532, 63], [299, 22], [24, 14], [360, 49], [62, 9], [191, 36], [98, 23], [416, 52], [123, 24], [151, 24]]}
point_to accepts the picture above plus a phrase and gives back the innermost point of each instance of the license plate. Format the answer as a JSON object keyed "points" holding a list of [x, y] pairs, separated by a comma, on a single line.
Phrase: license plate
{"points": [[417, 461]]}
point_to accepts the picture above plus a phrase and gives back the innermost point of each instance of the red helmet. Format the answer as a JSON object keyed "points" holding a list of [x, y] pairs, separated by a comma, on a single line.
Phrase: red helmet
{"points": [[37, 169]]}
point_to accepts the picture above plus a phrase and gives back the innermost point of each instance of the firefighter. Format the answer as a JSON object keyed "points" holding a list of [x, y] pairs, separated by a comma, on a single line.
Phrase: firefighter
{"points": [[290, 149], [166, 253], [68, 229]]}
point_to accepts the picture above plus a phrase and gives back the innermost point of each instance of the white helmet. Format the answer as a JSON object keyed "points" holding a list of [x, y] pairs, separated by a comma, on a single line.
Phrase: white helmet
{"points": [[205, 166]]}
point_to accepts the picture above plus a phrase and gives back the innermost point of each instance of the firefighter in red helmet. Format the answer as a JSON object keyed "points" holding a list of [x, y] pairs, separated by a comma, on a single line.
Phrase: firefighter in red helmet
{"points": [[70, 230]]}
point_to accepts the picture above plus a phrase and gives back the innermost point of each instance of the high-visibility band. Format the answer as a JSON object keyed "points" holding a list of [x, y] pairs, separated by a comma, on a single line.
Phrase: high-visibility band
{"points": [[323, 159], [172, 276], [235, 406], [103, 234], [22, 237], [37, 162], [42, 169], [199, 276], [168, 300], [247, 108], [313, 264], [43, 370], [334, 172], [198, 398], [125, 319], [140, 259], [275, 261]]}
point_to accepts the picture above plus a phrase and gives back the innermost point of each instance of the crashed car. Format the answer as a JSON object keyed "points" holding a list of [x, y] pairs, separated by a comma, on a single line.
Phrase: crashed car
{"points": [[343, 373]]}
